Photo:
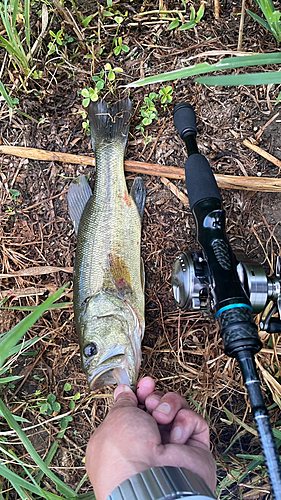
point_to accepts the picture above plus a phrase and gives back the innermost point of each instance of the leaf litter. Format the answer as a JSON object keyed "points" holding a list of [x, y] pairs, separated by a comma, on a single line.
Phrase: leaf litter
{"points": [[182, 351]]}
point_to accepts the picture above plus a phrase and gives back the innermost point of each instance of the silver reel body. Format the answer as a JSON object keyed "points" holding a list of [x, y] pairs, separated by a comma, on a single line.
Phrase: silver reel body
{"points": [[192, 286]]}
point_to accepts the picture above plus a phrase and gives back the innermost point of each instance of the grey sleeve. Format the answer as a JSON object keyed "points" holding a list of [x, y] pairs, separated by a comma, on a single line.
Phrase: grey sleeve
{"points": [[163, 483]]}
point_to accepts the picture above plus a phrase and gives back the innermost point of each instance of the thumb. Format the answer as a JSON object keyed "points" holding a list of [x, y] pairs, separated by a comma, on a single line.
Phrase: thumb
{"points": [[124, 397]]}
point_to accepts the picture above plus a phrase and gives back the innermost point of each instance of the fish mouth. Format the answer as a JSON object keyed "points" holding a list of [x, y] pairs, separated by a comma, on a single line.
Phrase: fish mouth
{"points": [[112, 373]]}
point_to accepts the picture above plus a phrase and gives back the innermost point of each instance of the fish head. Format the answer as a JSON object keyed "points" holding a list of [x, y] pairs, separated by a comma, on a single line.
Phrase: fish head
{"points": [[110, 343]]}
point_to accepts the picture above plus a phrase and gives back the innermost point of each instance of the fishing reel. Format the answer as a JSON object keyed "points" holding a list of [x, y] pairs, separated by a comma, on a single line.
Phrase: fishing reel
{"points": [[193, 291]]}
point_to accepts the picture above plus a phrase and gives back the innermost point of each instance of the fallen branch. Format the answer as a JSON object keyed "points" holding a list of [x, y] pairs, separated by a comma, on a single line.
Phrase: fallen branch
{"points": [[266, 184]]}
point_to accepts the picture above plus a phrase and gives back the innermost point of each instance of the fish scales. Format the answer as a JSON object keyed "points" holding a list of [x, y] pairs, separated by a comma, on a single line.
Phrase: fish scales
{"points": [[108, 275]]}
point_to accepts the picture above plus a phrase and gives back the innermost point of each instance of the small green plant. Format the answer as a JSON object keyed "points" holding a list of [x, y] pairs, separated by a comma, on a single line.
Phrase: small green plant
{"points": [[99, 80], [272, 16], [195, 18], [60, 39], [49, 406], [110, 72], [148, 113], [119, 46], [15, 194], [165, 93], [89, 94]]}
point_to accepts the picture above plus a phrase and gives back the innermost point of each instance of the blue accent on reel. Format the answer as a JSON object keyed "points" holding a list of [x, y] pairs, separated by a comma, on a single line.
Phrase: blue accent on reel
{"points": [[232, 306]]}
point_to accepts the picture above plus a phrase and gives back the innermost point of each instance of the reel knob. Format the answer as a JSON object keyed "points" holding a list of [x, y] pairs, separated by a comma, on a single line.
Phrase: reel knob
{"points": [[190, 281]]}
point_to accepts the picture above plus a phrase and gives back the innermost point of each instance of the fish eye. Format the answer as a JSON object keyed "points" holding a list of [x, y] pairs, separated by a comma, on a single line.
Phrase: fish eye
{"points": [[90, 350]]}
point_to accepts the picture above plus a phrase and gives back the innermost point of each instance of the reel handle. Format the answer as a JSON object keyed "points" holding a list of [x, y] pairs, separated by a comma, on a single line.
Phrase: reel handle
{"points": [[200, 180]]}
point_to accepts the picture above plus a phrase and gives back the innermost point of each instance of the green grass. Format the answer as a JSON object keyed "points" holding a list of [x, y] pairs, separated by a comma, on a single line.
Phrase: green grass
{"points": [[222, 65], [25, 482], [272, 16]]}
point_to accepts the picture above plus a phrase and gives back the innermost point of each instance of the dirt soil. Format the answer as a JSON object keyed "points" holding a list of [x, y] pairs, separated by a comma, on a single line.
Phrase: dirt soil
{"points": [[182, 351]]}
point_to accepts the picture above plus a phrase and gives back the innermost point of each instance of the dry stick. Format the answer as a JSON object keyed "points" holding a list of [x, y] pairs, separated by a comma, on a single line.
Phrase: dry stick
{"points": [[266, 184], [181, 196], [217, 9], [262, 153], [262, 129], [37, 271], [241, 27]]}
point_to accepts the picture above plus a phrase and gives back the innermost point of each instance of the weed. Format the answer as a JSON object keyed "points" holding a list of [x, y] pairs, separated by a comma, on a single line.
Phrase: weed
{"points": [[272, 16], [49, 406], [166, 95], [11, 102], [195, 18], [99, 80], [24, 482], [110, 73], [60, 39], [9, 13], [119, 46], [148, 113], [89, 95], [15, 194]]}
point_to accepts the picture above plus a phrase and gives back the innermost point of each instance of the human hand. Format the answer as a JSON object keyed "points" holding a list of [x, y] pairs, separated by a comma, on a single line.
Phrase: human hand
{"points": [[131, 440]]}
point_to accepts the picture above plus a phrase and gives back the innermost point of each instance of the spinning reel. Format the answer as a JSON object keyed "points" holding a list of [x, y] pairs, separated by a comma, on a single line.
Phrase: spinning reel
{"points": [[192, 287]]}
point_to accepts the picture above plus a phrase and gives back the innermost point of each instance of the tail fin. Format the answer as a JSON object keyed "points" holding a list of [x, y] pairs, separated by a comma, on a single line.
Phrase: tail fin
{"points": [[109, 124]]}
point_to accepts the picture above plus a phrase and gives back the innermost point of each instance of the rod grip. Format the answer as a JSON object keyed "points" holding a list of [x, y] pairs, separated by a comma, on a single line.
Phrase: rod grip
{"points": [[200, 180], [185, 119]]}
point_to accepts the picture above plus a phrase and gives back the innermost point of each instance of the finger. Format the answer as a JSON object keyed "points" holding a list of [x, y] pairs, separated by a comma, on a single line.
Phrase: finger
{"points": [[124, 397], [145, 387], [153, 400], [168, 407], [190, 428]]}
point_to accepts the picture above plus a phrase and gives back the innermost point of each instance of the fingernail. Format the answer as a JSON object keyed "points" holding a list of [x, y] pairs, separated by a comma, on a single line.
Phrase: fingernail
{"points": [[176, 434], [120, 389], [164, 408]]}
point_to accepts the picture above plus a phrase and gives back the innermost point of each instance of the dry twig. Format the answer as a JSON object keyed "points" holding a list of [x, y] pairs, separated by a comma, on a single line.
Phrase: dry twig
{"points": [[266, 184]]}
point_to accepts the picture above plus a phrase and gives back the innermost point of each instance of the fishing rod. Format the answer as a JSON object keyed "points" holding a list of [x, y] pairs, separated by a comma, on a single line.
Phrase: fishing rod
{"points": [[228, 285]]}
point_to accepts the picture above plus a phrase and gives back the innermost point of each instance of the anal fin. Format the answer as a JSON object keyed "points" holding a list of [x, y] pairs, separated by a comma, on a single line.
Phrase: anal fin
{"points": [[78, 194]]}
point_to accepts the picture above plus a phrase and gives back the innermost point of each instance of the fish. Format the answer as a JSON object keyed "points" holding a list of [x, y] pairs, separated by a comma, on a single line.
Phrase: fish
{"points": [[108, 280]]}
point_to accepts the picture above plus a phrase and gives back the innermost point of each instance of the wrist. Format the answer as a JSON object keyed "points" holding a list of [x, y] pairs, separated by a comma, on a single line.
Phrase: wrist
{"points": [[163, 483]]}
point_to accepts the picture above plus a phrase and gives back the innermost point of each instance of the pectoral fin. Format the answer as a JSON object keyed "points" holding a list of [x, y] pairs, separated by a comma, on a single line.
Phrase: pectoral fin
{"points": [[138, 194], [78, 194]]}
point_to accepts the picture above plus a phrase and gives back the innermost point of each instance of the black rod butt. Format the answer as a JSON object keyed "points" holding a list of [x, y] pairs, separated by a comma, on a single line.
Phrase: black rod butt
{"points": [[185, 119]]}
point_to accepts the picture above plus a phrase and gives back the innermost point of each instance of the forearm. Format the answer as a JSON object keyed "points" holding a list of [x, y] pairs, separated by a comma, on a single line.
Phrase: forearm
{"points": [[163, 483]]}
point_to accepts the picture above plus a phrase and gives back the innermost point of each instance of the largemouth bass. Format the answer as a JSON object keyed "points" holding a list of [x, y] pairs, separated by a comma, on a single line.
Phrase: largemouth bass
{"points": [[108, 292]]}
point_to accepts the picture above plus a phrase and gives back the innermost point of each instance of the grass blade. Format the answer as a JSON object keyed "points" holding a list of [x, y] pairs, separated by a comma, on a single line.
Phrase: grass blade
{"points": [[61, 305], [259, 20], [15, 334], [201, 68], [19, 482], [61, 487], [6, 96], [234, 80]]}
